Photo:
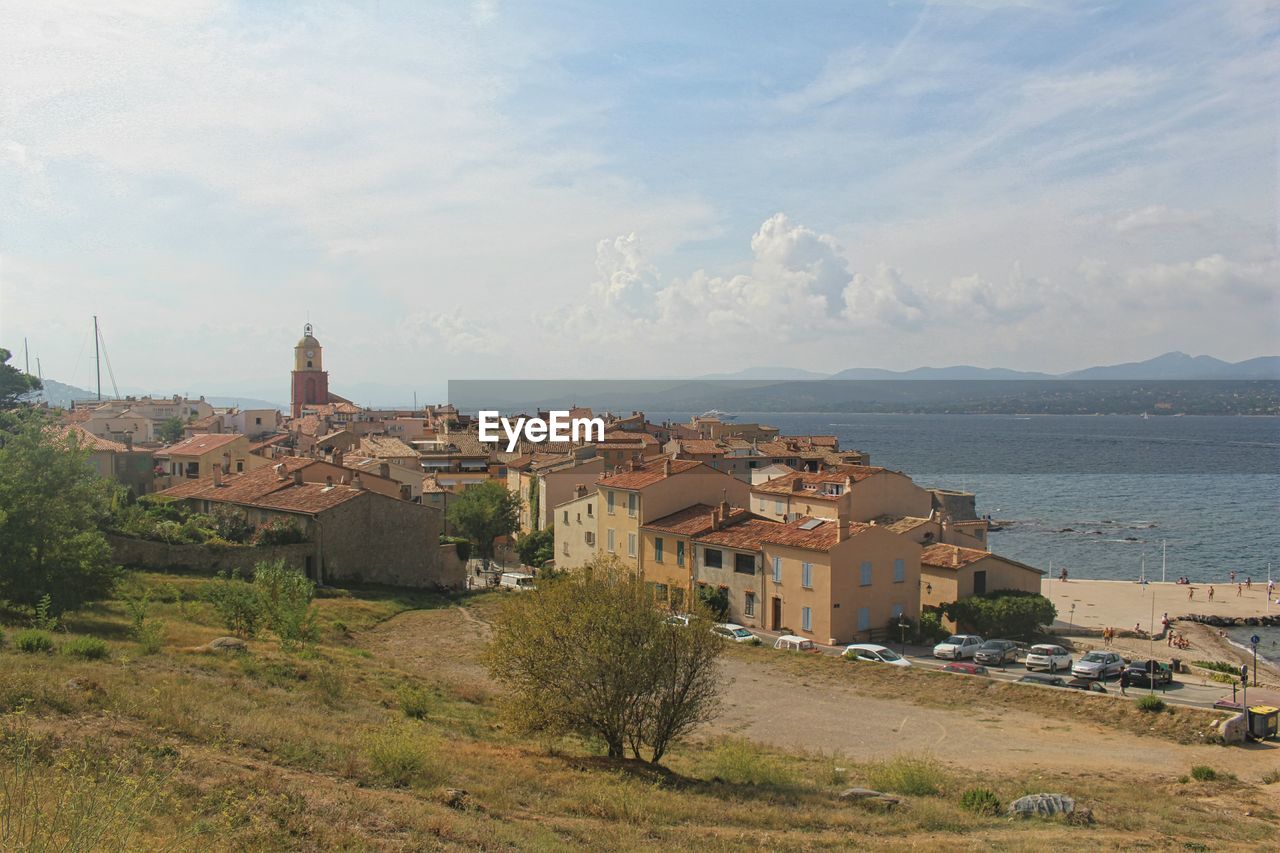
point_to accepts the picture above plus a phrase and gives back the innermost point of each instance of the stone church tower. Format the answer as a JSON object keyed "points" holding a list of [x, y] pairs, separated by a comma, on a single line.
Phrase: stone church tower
{"points": [[310, 380]]}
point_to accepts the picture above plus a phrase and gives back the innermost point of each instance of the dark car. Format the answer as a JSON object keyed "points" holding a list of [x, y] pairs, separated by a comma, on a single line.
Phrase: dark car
{"points": [[1043, 680], [997, 652], [1087, 684], [1149, 672], [965, 668]]}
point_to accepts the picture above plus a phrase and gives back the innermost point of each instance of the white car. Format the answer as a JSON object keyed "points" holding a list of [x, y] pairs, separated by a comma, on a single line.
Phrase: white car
{"points": [[957, 647], [1049, 658], [680, 620], [793, 643], [879, 654], [730, 631], [519, 581]]}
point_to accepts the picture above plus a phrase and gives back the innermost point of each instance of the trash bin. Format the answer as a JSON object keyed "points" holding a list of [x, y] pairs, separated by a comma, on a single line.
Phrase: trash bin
{"points": [[1263, 721]]}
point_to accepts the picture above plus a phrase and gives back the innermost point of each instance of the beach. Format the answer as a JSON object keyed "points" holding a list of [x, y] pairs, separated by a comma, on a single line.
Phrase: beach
{"points": [[1085, 607]]}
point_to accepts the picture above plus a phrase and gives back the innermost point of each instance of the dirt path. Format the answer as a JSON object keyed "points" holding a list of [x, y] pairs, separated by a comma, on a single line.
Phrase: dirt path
{"points": [[767, 702]]}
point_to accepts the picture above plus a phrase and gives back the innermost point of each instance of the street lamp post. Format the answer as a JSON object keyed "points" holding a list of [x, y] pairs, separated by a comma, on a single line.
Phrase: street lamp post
{"points": [[902, 628], [1071, 619]]}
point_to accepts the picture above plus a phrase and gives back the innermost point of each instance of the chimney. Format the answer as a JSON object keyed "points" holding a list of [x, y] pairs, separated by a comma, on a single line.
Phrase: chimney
{"points": [[337, 458], [406, 493], [797, 484], [842, 528], [666, 466], [356, 482], [715, 518], [724, 510], [128, 441], [384, 469], [297, 477], [279, 469], [217, 476], [328, 481], [226, 463]]}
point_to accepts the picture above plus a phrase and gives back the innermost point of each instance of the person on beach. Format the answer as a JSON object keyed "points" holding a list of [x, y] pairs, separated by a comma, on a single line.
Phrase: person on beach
{"points": [[1191, 592], [1233, 576], [1248, 582], [1239, 590], [1211, 593], [1063, 575], [1124, 680]]}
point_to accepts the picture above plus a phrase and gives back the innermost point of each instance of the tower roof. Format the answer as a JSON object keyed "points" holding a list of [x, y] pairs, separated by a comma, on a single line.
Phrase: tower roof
{"points": [[308, 339]]}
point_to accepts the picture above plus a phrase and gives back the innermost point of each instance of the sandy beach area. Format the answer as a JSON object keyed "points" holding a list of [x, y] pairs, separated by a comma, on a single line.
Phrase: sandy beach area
{"points": [[1087, 606]]}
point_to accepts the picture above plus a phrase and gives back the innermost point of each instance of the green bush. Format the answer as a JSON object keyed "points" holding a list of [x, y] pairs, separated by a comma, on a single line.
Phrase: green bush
{"points": [[462, 544], [88, 648], [742, 762], [232, 524], [402, 756], [1232, 670], [980, 801], [237, 603], [716, 600], [1271, 777], [33, 640], [149, 633], [907, 774], [1003, 613], [1151, 704], [285, 595], [279, 532], [537, 547], [415, 702], [1203, 773]]}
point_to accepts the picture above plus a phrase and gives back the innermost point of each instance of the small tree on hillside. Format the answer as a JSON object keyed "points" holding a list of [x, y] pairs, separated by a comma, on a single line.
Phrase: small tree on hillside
{"points": [[483, 513], [51, 505], [536, 548], [588, 653]]}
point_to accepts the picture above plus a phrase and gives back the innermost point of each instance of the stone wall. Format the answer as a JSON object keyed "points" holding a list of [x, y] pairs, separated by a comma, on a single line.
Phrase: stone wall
{"points": [[377, 539], [204, 559]]}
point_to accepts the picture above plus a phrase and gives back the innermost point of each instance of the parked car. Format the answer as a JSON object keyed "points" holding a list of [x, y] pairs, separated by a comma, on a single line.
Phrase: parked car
{"points": [[793, 643], [1089, 684], [879, 654], [730, 631], [1048, 657], [1043, 680], [519, 581], [965, 668], [680, 620], [997, 652], [1140, 673], [1097, 664], [957, 647]]}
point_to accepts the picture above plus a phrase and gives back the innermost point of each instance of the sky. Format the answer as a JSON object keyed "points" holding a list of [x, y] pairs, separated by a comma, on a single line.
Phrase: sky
{"points": [[562, 189]]}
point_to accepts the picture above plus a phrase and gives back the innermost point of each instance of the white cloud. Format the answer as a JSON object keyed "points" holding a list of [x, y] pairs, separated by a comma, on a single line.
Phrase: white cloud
{"points": [[1157, 216]]}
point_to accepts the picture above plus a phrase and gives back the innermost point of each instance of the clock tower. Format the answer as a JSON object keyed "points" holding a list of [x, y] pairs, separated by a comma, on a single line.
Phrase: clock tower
{"points": [[310, 380]]}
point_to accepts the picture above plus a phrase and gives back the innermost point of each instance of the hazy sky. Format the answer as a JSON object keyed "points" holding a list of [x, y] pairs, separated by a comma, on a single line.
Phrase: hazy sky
{"points": [[592, 189]]}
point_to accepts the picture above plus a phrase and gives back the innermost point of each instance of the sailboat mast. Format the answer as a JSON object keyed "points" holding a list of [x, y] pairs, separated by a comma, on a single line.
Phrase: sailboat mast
{"points": [[97, 355]]}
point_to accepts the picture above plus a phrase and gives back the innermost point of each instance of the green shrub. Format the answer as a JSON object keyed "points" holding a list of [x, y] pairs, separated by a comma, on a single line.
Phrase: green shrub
{"points": [[285, 595], [45, 620], [232, 524], [148, 633], [1, 639], [980, 801], [237, 603], [415, 702], [402, 755], [33, 640], [1219, 666], [1151, 703], [907, 774], [1271, 777], [279, 532], [330, 685], [88, 648], [742, 762], [1203, 773]]}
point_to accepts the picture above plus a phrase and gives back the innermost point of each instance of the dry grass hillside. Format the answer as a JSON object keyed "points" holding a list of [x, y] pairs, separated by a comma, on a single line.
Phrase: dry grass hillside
{"points": [[384, 735]]}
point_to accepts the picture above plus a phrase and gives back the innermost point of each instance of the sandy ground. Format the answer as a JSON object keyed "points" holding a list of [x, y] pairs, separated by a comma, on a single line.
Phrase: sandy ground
{"points": [[1126, 605], [770, 703]]}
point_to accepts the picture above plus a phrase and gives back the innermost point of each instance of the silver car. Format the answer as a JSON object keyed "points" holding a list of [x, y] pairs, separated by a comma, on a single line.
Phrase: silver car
{"points": [[1101, 665]]}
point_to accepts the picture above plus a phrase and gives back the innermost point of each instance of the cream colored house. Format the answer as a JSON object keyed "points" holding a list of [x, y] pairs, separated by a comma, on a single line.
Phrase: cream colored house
{"points": [[196, 457], [951, 572], [854, 492], [576, 527]]}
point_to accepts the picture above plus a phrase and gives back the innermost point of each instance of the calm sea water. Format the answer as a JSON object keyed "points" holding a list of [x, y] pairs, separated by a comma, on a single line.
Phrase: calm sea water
{"points": [[1093, 494]]}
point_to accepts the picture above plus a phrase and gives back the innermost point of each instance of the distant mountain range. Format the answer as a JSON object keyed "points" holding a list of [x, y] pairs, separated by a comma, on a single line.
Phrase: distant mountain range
{"points": [[1171, 365], [60, 394]]}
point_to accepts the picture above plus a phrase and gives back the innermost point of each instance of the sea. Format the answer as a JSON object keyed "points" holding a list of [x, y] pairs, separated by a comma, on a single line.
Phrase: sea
{"points": [[1113, 497]]}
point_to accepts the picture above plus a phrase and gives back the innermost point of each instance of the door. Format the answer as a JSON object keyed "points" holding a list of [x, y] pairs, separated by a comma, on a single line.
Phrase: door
{"points": [[777, 613], [980, 583]]}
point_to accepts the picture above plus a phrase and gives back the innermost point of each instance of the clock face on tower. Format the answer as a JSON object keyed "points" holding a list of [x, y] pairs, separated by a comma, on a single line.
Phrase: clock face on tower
{"points": [[311, 353]]}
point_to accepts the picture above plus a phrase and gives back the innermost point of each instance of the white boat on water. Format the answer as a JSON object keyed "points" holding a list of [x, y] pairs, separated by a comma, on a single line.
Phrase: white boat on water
{"points": [[718, 415]]}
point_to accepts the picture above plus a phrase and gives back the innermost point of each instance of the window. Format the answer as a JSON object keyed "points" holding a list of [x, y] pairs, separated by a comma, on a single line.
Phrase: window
{"points": [[588, 510], [749, 604], [711, 558], [777, 507], [864, 618], [899, 570], [657, 550], [566, 516], [777, 570], [806, 619], [257, 421], [679, 553], [866, 573], [609, 502], [806, 575], [632, 499], [762, 505], [744, 564], [610, 540], [631, 544], [239, 465], [660, 593]]}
